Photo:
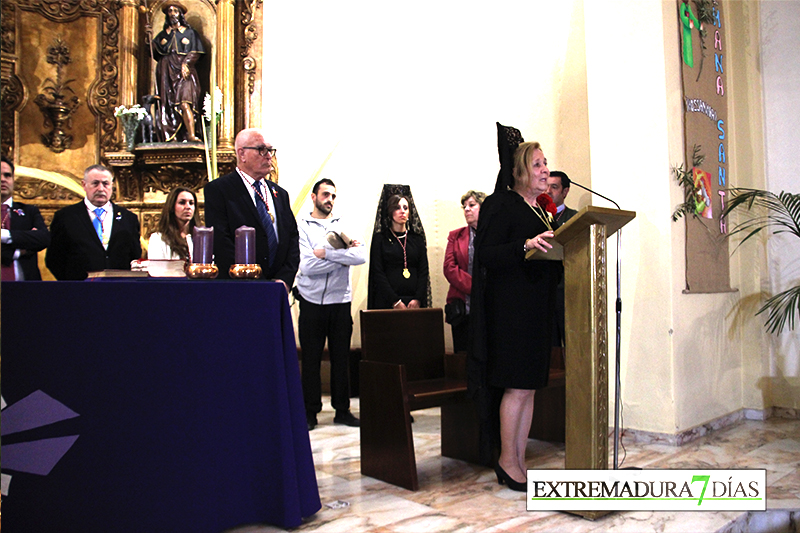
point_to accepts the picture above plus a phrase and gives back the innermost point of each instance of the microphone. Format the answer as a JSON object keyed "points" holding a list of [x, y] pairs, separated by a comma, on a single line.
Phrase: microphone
{"points": [[573, 182]]}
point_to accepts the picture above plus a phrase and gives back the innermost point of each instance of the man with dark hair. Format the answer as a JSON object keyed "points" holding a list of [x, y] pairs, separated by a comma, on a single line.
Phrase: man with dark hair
{"points": [[24, 232], [95, 234], [558, 188], [326, 255], [177, 48]]}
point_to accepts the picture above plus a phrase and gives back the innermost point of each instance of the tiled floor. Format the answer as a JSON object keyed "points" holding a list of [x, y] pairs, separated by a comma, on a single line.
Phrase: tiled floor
{"points": [[459, 497]]}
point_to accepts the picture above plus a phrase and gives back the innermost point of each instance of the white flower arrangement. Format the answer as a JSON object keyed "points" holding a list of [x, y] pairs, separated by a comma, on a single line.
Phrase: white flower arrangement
{"points": [[210, 132], [217, 105], [130, 117], [126, 113]]}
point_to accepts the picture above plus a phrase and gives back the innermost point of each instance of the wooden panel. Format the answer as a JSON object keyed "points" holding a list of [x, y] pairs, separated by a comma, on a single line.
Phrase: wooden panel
{"points": [[387, 446], [413, 337]]}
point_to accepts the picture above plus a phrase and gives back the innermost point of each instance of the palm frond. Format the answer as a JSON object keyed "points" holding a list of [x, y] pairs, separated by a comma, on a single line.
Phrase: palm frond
{"points": [[779, 213], [685, 179], [782, 310]]}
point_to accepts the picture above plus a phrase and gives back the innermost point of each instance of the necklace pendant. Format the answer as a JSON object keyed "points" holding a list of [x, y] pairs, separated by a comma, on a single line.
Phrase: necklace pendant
{"points": [[406, 273]]}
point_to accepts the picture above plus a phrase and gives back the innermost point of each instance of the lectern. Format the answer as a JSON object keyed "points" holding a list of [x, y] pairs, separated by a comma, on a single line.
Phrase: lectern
{"points": [[581, 243]]}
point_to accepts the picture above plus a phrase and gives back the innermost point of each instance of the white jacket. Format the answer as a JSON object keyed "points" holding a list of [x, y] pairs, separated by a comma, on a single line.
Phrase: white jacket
{"points": [[325, 281]]}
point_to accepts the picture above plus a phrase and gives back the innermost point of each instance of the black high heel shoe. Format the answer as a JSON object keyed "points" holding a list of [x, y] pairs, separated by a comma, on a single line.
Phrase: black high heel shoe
{"points": [[503, 477]]}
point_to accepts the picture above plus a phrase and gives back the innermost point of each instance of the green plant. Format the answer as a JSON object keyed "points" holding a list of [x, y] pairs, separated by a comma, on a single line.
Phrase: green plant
{"points": [[686, 181], [705, 14], [781, 214]]}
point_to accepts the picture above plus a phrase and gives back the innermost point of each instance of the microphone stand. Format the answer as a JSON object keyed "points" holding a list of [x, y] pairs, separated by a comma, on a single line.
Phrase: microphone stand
{"points": [[617, 370]]}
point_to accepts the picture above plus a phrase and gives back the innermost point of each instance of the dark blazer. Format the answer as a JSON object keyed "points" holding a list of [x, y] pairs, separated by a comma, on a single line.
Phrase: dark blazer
{"points": [[228, 206], [456, 264], [29, 235], [566, 214], [75, 249]]}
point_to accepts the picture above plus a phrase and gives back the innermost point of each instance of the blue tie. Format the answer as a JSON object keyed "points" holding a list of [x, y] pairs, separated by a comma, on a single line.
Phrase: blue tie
{"points": [[272, 239], [98, 223]]}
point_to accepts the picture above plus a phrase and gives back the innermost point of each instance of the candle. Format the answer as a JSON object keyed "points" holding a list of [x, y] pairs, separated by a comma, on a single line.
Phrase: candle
{"points": [[203, 244], [245, 245]]}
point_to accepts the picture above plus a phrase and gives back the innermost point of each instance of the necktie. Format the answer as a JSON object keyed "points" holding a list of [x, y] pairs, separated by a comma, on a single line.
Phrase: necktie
{"points": [[98, 223], [263, 214], [8, 271]]}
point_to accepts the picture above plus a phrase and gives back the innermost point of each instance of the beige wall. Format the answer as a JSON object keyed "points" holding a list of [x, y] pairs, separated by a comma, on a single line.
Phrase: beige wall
{"points": [[409, 93]]}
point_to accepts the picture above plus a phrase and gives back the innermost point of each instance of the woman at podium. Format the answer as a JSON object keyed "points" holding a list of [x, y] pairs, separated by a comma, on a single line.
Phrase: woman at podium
{"points": [[514, 325], [173, 239]]}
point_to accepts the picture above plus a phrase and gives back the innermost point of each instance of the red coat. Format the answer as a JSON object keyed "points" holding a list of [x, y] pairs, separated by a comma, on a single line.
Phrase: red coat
{"points": [[456, 262]]}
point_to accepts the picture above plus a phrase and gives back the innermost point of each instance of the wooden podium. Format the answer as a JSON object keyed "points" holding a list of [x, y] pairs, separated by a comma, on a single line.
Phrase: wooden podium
{"points": [[581, 244]]}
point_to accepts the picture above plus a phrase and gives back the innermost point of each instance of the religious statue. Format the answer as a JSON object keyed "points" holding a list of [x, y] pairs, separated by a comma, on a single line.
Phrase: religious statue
{"points": [[176, 49]]}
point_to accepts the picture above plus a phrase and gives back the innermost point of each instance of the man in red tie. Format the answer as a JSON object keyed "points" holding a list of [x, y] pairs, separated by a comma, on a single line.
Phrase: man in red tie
{"points": [[24, 232]]}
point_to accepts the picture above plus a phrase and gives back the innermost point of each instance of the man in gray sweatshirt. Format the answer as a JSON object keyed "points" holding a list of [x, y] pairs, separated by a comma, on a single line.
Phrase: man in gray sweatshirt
{"points": [[324, 287]]}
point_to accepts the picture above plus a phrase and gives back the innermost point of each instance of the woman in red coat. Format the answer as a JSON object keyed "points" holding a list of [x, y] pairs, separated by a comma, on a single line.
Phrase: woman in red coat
{"points": [[458, 269]]}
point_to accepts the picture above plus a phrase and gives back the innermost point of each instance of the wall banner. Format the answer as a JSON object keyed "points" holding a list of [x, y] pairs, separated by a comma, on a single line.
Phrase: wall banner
{"points": [[705, 119]]}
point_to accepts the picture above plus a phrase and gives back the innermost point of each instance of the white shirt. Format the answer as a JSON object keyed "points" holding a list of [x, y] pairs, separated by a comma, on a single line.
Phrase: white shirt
{"points": [[266, 191], [106, 220], [158, 249], [6, 238]]}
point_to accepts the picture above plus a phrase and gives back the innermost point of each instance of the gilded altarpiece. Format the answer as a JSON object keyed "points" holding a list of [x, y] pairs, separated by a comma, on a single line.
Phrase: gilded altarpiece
{"points": [[66, 66]]}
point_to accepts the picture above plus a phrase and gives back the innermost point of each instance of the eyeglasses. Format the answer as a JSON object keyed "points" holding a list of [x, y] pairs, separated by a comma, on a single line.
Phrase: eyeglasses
{"points": [[262, 150]]}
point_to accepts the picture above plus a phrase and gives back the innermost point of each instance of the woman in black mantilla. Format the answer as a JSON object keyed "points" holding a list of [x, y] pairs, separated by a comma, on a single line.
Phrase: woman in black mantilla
{"points": [[510, 353], [398, 259]]}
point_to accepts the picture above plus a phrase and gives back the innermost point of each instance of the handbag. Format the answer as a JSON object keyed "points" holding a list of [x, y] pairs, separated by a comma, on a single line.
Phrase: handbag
{"points": [[455, 312]]}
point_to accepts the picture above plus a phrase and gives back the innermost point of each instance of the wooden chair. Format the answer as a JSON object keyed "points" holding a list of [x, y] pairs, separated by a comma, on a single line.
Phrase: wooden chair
{"points": [[404, 368]]}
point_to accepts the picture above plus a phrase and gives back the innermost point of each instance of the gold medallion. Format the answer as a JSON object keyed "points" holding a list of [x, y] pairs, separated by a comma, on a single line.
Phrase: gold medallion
{"points": [[406, 273]]}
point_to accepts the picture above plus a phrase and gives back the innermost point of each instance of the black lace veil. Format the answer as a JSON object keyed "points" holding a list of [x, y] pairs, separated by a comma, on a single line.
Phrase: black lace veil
{"points": [[508, 139], [383, 222]]}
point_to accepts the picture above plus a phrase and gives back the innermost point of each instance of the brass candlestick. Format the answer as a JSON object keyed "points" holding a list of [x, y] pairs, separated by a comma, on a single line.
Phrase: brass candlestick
{"points": [[245, 271], [202, 271]]}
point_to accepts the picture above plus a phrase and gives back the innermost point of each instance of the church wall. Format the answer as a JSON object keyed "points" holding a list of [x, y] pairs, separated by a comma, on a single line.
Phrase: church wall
{"points": [[410, 94], [780, 53]]}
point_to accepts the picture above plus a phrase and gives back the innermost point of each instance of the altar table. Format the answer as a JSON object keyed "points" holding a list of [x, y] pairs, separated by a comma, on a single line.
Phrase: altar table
{"points": [[157, 406]]}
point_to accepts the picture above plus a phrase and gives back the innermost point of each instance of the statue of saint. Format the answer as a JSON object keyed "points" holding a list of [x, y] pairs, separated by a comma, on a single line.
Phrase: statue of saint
{"points": [[177, 48]]}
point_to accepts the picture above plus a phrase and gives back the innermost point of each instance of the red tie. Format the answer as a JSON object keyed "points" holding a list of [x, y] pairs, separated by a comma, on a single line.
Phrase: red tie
{"points": [[8, 271]]}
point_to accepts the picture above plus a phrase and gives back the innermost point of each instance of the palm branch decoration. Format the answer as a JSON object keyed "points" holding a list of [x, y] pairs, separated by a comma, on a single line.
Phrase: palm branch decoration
{"points": [[781, 214], [705, 14], [686, 181]]}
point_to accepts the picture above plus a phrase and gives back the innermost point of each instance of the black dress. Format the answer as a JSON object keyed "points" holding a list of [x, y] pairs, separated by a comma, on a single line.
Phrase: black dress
{"points": [[387, 284], [518, 296]]}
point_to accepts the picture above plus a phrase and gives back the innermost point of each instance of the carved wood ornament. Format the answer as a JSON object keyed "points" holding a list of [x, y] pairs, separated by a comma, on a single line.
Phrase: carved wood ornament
{"points": [[97, 53]]}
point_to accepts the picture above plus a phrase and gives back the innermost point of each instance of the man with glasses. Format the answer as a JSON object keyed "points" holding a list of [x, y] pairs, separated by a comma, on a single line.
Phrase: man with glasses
{"points": [[246, 197]]}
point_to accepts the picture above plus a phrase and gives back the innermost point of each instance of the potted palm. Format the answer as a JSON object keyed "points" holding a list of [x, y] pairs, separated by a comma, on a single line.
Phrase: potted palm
{"points": [[779, 213]]}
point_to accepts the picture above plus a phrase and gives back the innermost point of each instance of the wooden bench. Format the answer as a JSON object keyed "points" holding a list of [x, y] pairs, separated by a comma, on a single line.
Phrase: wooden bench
{"points": [[404, 368]]}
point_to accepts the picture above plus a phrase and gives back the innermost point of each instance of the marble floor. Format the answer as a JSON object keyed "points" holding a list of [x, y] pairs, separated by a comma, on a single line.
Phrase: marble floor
{"points": [[458, 497]]}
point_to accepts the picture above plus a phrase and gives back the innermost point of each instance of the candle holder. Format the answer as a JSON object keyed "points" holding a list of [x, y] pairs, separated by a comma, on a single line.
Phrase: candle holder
{"points": [[245, 271], [202, 271]]}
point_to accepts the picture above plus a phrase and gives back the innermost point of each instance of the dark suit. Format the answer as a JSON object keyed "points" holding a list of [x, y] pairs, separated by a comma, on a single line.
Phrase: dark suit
{"points": [[29, 235], [76, 250], [230, 206]]}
